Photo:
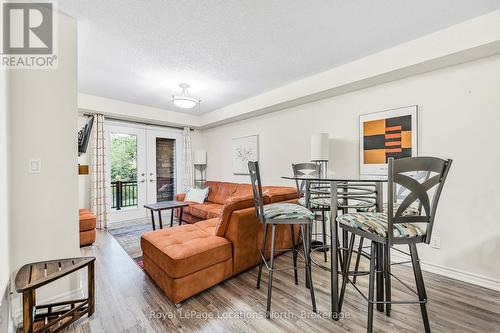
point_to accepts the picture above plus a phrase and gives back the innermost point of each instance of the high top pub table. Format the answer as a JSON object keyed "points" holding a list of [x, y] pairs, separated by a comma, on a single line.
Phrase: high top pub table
{"points": [[336, 183]]}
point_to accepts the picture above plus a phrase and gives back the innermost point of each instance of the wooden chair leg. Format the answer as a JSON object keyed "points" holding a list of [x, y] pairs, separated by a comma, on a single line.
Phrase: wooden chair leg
{"points": [[387, 278], [422, 294], [371, 287], [263, 255], [307, 257], [271, 270], [91, 288], [29, 300], [294, 254], [358, 258]]}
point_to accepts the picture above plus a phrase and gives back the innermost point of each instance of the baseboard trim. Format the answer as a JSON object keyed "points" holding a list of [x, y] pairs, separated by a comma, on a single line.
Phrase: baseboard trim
{"points": [[463, 276], [72, 294]]}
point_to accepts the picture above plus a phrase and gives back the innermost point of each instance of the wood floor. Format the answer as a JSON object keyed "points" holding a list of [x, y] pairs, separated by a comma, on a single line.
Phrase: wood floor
{"points": [[129, 301]]}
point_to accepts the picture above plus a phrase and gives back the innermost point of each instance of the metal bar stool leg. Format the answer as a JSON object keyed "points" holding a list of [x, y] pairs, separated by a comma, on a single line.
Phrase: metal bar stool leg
{"points": [[371, 287], [380, 276], [358, 258], [323, 219], [422, 295], [387, 277], [271, 270], [307, 245], [294, 253], [345, 273], [262, 256], [344, 246], [307, 257]]}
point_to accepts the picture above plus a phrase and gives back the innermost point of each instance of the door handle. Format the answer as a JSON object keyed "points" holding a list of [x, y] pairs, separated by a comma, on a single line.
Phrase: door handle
{"points": [[152, 180], [143, 180]]}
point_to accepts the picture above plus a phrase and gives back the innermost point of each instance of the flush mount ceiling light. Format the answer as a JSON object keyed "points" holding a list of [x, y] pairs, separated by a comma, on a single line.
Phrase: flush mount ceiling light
{"points": [[184, 100]]}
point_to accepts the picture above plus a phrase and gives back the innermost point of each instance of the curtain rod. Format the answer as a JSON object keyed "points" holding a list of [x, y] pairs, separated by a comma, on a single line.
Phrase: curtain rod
{"points": [[135, 121]]}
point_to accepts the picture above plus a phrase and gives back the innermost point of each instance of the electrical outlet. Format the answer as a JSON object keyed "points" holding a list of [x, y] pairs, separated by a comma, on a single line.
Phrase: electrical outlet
{"points": [[436, 242]]}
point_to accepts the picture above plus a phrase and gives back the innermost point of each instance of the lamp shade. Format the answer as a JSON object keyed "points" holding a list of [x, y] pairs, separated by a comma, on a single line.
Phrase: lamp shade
{"points": [[200, 157], [319, 147]]}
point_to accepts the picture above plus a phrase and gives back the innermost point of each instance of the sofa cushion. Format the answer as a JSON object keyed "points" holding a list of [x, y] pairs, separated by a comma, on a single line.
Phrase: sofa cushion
{"points": [[188, 218], [220, 191], [214, 213], [202, 210], [84, 211], [196, 195], [209, 226], [243, 190], [279, 193], [287, 211], [376, 223], [185, 249]]}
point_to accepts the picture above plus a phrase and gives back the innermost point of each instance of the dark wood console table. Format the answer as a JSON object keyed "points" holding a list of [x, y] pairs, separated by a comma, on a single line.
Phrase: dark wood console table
{"points": [[54, 316]]}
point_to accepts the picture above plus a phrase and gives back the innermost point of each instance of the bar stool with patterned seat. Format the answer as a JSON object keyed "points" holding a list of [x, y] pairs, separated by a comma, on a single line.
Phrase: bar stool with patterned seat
{"points": [[280, 214], [394, 227]]}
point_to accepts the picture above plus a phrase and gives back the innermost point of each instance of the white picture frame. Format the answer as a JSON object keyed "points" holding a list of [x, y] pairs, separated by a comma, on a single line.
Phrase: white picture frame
{"points": [[245, 149], [370, 154]]}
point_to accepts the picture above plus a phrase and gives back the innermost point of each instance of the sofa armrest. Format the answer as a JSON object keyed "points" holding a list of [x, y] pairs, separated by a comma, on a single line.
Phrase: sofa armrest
{"points": [[232, 205], [180, 196]]}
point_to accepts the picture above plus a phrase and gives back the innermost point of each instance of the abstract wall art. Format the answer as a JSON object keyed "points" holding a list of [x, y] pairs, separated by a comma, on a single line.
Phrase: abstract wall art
{"points": [[391, 133], [244, 149]]}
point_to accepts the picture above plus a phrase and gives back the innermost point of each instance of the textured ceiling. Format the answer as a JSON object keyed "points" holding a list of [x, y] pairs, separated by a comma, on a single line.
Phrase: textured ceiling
{"points": [[139, 51]]}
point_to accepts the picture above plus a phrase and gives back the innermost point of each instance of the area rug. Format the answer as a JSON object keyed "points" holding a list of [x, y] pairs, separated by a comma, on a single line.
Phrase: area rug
{"points": [[129, 238]]}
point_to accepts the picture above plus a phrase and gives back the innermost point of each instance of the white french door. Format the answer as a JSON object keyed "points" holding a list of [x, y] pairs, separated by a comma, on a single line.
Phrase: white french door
{"points": [[164, 160], [144, 166]]}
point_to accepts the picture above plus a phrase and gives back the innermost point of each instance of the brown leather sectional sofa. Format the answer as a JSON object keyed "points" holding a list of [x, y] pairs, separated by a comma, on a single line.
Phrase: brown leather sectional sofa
{"points": [[222, 237]]}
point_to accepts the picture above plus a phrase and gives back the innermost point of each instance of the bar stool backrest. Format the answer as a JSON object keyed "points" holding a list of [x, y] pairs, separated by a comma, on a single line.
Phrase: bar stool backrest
{"points": [[424, 190], [305, 169], [258, 198]]}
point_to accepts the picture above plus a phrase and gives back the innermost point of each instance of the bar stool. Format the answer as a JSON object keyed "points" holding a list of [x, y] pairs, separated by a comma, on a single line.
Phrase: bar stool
{"points": [[280, 214], [319, 200], [395, 228]]}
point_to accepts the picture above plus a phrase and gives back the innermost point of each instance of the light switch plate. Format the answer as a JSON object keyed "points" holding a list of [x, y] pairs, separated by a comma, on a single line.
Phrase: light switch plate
{"points": [[35, 165]]}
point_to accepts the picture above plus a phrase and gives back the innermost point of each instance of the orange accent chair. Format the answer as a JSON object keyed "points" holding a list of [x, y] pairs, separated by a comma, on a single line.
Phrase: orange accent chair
{"points": [[222, 237], [87, 227]]}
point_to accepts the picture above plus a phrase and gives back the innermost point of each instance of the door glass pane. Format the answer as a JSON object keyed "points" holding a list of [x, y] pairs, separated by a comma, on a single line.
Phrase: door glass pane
{"points": [[123, 170], [165, 169]]}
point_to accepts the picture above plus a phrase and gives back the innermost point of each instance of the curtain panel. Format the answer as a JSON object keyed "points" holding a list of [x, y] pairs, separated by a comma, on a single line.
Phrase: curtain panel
{"points": [[188, 159], [98, 181]]}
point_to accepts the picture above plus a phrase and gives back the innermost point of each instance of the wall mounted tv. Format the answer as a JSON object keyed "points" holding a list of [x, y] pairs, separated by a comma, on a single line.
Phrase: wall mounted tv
{"points": [[84, 136]]}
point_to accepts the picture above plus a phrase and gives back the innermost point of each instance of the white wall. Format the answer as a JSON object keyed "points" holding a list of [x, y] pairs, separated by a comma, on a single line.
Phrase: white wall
{"points": [[459, 119], [44, 206], [4, 202]]}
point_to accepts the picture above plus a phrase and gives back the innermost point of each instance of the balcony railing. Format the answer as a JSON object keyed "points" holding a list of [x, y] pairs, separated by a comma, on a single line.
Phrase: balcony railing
{"points": [[124, 194]]}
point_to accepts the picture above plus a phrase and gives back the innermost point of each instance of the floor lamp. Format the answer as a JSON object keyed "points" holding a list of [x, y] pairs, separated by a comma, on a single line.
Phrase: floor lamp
{"points": [[200, 165], [319, 151]]}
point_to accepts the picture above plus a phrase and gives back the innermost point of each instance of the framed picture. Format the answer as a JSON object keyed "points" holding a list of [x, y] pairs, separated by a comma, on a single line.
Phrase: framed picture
{"points": [[391, 133], [244, 149]]}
